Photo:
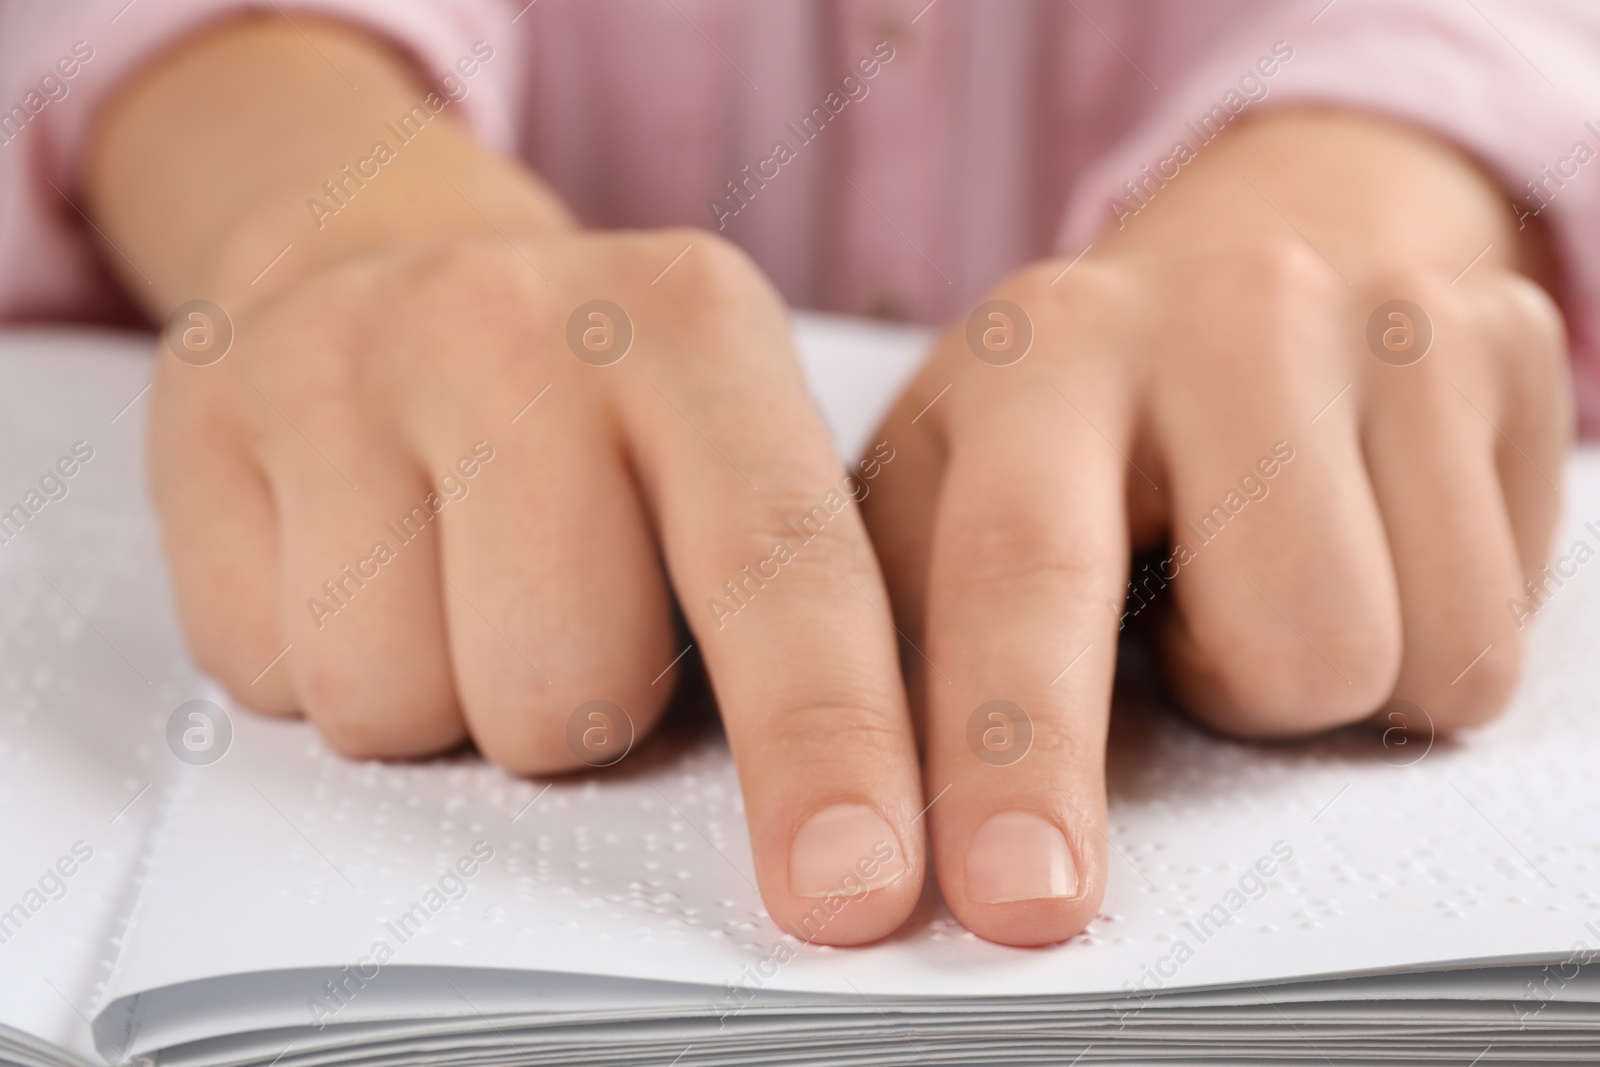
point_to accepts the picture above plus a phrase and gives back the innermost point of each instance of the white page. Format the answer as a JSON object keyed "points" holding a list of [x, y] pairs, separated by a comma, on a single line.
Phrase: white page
{"points": [[85, 698], [606, 875], [620, 873], [81, 587]]}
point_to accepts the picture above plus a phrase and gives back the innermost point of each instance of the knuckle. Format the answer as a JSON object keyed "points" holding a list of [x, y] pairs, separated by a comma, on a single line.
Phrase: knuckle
{"points": [[1277, 271], [362, 719], [525, 737], [991, 568], [789, 512], [1090, 280], [1530, 330], [484, 271], [1028, 551], [1406, 278], [1094, 295], [1456, 701], [707, 307], [1393, 293], [1331, 673], [800, 543], [1526, 319], [1274, 285], [713, 274], [463, 296], [815, 729]]}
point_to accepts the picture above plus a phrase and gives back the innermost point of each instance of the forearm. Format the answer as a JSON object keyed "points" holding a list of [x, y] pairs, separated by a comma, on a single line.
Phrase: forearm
{"points": [[216, 159]]}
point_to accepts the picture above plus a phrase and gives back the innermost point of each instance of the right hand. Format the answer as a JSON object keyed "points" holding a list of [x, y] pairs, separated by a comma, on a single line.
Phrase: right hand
{"points": [[374, 358], [512, 562]]}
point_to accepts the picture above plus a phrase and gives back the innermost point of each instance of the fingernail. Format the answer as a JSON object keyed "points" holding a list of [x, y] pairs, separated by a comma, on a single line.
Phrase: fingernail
{"points": [[1018, 855], [843, 850]]}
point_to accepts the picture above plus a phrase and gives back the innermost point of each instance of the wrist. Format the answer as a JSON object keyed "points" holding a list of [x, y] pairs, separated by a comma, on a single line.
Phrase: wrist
{"points": [[243, 159], [1365, 192], [449, 190]]}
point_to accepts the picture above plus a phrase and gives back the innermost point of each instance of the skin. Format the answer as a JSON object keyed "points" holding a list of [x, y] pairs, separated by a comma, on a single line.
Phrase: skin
{"points": [[431, 310], [1165, 365]]}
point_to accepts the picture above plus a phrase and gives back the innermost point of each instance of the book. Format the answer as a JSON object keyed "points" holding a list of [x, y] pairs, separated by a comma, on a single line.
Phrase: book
{"points": [[186, 884]]}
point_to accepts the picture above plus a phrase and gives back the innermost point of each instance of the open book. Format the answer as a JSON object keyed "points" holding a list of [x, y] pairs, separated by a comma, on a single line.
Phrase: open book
{"points": [[187, 886]]}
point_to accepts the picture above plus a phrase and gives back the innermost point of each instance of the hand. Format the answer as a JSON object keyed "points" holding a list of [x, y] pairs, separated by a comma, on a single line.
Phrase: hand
{"points": [[412, 472], [461, 495], [1337, 523]]}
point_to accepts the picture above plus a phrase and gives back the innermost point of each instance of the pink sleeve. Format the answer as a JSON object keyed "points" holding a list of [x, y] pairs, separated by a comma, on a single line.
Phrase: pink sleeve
{"points": [[60, 59], [1515, 85]]}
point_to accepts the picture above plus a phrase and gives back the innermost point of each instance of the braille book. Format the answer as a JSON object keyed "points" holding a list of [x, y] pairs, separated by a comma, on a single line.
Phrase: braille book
{"points": [[184, 883]]}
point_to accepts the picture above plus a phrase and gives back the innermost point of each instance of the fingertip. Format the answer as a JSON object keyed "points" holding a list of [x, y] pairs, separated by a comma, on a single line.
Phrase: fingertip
{"points": [[844, 848], [849, 880], [1027, 923], [1023, 880], [843, 921], [1017, 856]]}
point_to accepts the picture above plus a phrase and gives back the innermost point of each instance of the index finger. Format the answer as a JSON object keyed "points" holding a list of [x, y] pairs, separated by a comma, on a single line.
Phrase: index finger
{"points": [[1029, 554], [770, 559]]}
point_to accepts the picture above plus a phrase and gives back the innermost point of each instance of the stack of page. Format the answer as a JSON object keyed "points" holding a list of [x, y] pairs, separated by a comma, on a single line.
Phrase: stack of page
{"points": [[256, 900]]}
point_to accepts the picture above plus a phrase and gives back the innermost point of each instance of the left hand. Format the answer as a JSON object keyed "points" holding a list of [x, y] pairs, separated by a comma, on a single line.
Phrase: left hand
{"points": [[1339, 526]]}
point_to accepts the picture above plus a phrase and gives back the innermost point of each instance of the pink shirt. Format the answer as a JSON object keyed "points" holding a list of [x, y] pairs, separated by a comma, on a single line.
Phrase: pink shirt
{"points": [[886, 157]]}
